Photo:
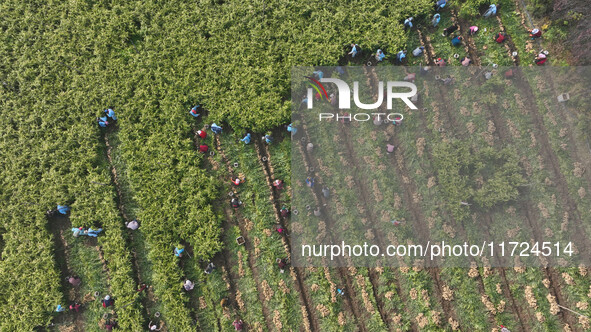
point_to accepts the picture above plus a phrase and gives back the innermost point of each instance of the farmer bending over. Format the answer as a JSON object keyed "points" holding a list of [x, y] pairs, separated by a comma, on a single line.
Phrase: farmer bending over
{"points": [[541, 59], [102, 122], [390, 148], [293, 130], [418, 51], [209, 268], [236, 181], [354, 50], [246, 139], [282, 263], [535, 33], [401, 55], [450, 29], [107, 301], [435, 20], [491, 11], [380, 55], [110, 114], [193, 111], [278, 184], [216, 129], [188, 285], [133, 225], [408, 23], [235, 203], [238, 324], [178, 250], [319, 74], [284, 212]]}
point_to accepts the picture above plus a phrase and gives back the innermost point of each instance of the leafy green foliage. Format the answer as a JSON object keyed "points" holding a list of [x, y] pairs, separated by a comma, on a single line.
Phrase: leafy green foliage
{"points": [[486, 176], [540, 8]]}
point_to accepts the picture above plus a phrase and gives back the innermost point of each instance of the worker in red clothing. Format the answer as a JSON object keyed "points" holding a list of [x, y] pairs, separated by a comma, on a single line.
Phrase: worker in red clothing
{"points": [[75, 307], [278, 184], [110, 325], [238, 324], [107, 301], [535, 33], [541, 59], [236, 181], [282, 263], [202, 134], [203, 148], [500, 37]]}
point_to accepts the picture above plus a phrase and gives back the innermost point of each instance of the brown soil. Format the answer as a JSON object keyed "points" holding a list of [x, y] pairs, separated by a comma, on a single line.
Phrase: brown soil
{"points": [[121, 208], [351, 304], [262, 151], [60, 226], [247, 244], [451, 120], [418, 218]]}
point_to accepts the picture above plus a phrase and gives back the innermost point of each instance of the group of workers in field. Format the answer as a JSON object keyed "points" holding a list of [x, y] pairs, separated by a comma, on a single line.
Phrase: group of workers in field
{"points": [[456, 39], [108, 118], [235, 202], [106, 301], [75, 281]]}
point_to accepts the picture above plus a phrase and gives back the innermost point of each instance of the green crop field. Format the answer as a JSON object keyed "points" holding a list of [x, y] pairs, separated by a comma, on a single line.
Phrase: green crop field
{"points": [[63, 62]]}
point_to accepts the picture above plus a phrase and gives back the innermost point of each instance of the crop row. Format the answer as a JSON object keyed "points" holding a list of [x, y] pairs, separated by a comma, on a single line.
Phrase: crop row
{"points": [[51, 160]]}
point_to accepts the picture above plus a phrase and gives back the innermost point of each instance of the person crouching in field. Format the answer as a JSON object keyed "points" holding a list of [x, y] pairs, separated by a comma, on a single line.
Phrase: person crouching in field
{"points": [[76, 232], [178, 250], [278, 184], [235, 203], [282, 263], [535, 33], [107, 301], [202, 133], [246, 139]]}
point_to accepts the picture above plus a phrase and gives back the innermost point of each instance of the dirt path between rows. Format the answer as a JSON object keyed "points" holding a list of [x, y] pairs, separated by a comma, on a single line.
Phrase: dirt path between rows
{"points": [[452, 125], [410, 191], [224, 259], [475, 56], [60, 226], [263, 154], [120, 206], [247, 244], [352, 305], [551, 160]]}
